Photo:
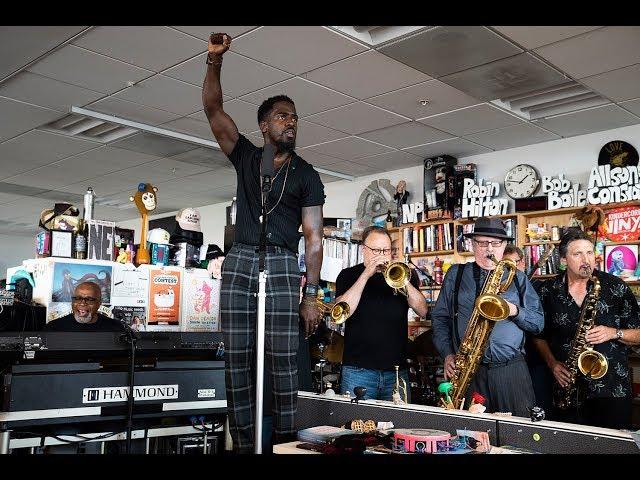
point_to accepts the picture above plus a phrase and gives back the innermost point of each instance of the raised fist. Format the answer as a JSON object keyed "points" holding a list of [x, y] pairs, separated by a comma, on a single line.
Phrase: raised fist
{"points": [[219, 43]]}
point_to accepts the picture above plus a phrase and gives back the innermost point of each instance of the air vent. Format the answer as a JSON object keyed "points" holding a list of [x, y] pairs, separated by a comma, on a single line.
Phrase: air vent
{"points": [[375, 36], [88, 128], [559, 99]]}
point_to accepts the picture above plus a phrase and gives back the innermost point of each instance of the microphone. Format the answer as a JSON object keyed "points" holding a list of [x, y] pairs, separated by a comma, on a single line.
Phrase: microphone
{"points": [[268, 156], [129, 332]]}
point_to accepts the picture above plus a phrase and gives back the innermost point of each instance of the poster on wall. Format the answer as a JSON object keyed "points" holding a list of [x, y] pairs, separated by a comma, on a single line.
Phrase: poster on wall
{"points": [[200, 303], [623, 224], [130, 285], [622, 261], [164, 298], [66, 276], [135, 317], [101, 238]]}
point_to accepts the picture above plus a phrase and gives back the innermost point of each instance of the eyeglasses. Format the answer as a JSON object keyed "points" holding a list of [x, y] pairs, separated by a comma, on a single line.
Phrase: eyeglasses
{"points": [[485, 243], [85, 300], [383, 251]]}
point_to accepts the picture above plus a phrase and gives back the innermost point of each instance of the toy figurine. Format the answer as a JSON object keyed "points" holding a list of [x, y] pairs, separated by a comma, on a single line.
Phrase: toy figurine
{"points": [[146, 201]]}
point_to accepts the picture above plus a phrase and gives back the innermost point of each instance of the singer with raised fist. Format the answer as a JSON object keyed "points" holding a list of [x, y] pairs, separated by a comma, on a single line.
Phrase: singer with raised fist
{"points": [[294, 196]]}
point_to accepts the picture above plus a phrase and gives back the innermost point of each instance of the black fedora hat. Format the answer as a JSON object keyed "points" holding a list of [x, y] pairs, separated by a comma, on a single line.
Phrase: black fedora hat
{"points": [[489, 227]]}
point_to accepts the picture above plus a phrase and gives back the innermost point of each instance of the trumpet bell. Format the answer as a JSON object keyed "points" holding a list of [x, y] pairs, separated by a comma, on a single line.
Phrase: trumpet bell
{"points": [[340, 312], [593, 364], [397, 275], [492, 307]]}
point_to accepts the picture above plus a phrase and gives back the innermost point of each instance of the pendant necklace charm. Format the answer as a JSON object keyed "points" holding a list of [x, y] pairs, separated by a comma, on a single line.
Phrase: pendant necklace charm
{"points": [[260, 218]]}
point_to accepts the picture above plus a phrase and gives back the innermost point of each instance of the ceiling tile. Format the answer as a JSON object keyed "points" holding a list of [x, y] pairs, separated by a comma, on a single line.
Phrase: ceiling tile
{"points": [[312, 134], [20, 45], [514, 136], [132, 111], [287, 47], [244, 115], [151, 47], [471, 120], [457, 147], [595, 52], [533, 37], [165, 93], [203, 32], [309, 97], [587, 121], [406, 135], [152, 144], [367, 74], [508, 77], [9, 197], [174, 168], [329, 178], [37, 148], [391, 160], [350, 148], [190, 126], [621, 84], [18, 117], [633, 106], [90, 70], [204, 156], [355, 169], [317, 159], [441, 98], [357, 118], [240, 74], [47, 92], [448, 49], [101, 161], [48, 177]]}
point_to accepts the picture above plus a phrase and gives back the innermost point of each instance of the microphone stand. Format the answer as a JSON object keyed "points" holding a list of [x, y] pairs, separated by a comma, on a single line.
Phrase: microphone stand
{"points": [[260, 323], [130, 336]]}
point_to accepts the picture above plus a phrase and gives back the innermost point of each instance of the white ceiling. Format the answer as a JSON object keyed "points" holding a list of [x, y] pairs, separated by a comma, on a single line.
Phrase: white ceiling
{"points": [[364, 109]]}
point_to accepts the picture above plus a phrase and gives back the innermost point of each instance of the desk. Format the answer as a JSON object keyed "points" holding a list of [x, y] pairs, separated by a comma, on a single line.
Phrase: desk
{"points": [[291, 449]]}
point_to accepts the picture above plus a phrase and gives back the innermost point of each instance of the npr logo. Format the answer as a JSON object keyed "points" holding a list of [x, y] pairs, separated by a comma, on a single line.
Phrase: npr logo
{"points": [[120, 394]]}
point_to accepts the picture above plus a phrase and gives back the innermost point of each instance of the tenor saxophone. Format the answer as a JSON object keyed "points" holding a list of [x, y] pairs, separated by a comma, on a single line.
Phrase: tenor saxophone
{"points": [[489, 308], [582, 357]]}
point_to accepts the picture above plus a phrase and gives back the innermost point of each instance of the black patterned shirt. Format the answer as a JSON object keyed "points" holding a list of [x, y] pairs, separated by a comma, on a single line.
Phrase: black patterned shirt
{"points": [[616, 307]]}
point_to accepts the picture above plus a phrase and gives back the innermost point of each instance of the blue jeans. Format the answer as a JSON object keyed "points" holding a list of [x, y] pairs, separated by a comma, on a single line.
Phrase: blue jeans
{"points": [[379, 383]]}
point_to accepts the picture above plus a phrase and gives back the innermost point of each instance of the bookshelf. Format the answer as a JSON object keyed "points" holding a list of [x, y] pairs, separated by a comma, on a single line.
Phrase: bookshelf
{"points": [[561, 217]]}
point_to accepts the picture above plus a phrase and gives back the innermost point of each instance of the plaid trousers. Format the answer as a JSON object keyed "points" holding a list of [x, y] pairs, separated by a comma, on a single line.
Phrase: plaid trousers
{"points": [[238, 310]]}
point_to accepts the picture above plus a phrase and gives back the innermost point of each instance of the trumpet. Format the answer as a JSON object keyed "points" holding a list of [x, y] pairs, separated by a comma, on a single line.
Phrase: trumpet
{"points": [[338, 311], [397, 275]]}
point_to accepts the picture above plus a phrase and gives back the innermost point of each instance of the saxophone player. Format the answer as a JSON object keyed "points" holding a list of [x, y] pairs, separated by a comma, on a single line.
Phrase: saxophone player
{"points": [[605, 401], [375, 338], [502, 376]]}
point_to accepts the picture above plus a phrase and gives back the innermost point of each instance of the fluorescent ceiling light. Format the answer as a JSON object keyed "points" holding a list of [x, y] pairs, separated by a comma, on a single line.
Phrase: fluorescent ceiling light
{"points": [[83, 124]]}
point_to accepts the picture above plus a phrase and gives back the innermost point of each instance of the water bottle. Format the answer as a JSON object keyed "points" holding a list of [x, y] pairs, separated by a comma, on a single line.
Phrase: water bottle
{"points": [[89, 198], [234, 209]]}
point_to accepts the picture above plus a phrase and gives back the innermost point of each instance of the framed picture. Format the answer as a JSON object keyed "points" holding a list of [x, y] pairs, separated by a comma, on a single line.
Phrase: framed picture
{"points": [[61, 243], [621, 261], [344, 223]]}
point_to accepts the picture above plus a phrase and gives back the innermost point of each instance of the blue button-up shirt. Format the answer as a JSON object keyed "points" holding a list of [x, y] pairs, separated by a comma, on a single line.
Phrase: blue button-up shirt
{"points": [[507, 338]]}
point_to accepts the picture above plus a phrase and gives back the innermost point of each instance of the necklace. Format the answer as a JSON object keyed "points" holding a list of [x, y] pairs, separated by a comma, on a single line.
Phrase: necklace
{"points": [[284, 184]]}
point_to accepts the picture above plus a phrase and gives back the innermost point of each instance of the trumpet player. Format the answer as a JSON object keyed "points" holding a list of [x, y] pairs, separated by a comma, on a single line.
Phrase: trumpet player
{"points": [[376, 339], [502, 376], [605, 401]]}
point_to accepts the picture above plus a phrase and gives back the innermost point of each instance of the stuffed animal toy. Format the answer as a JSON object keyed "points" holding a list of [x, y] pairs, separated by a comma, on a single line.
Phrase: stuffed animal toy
{"points": [[593, 221]]}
